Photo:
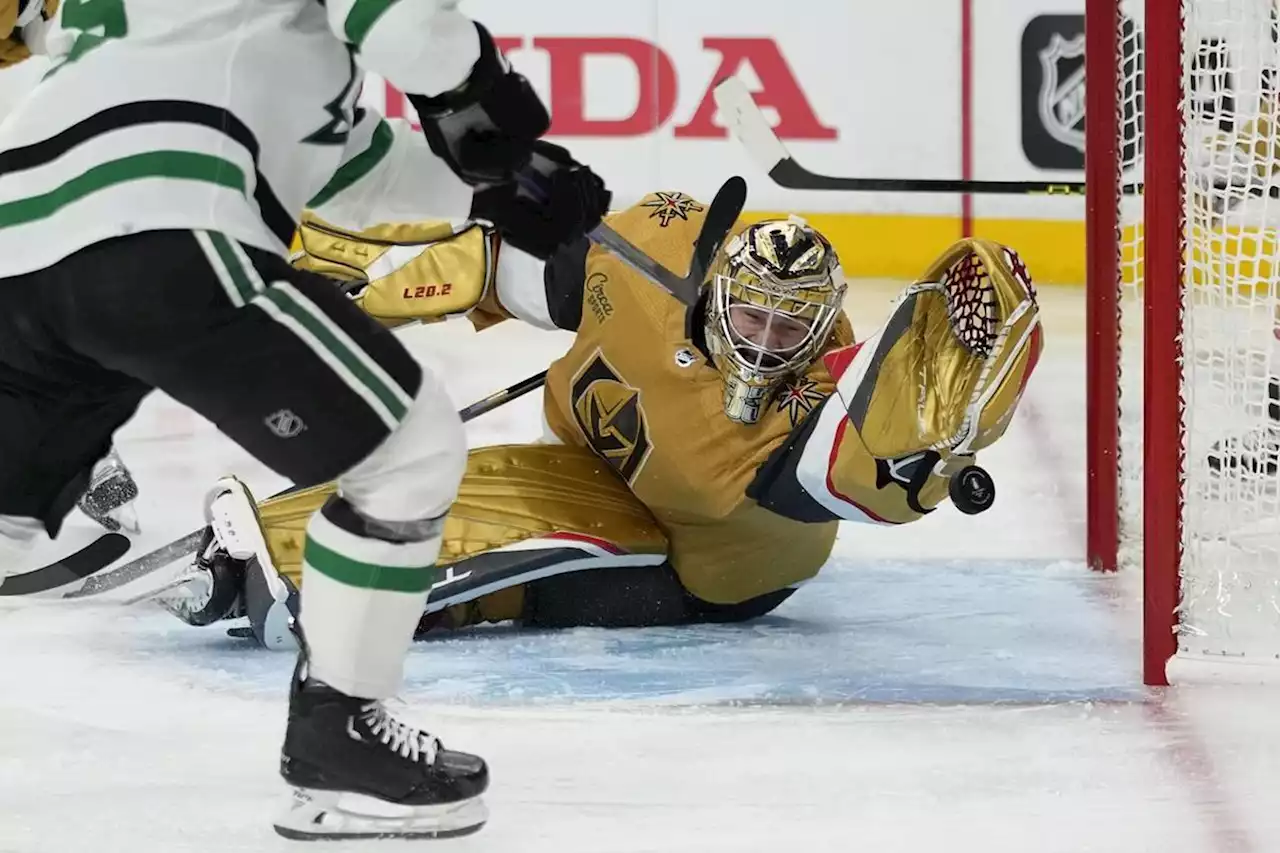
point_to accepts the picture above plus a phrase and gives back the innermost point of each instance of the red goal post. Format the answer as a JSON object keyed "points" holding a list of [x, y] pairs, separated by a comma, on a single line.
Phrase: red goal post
{"points": [[1183, 398]]}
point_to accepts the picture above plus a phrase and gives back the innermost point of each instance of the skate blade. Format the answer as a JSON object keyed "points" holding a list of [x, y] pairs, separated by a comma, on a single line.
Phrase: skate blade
{"points": [[336, 816], [127, 517]]}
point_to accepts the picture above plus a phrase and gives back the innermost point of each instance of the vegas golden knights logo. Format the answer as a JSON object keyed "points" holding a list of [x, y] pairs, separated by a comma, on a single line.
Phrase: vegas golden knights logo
{"points": [[609, 414]]}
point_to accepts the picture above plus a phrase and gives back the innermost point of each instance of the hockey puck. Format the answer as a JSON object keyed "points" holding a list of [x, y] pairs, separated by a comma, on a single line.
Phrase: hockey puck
{"points": [[972, 490]]}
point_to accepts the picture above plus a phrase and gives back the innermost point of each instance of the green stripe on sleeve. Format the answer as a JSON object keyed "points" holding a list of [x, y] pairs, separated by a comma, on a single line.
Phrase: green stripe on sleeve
{"points": [[357, 167], [177, 165], [363, 15]]}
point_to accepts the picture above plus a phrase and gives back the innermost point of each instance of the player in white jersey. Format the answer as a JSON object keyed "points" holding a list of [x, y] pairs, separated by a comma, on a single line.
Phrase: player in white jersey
{"points": [[149, 186]]}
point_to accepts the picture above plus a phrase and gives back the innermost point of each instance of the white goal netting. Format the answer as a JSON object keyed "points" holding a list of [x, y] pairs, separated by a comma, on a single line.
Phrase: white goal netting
{"points": [[1230, 157]]}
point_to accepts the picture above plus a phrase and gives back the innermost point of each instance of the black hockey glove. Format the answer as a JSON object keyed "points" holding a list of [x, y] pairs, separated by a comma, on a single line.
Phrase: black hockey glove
{"points": [[485, 128], [553, 200]]}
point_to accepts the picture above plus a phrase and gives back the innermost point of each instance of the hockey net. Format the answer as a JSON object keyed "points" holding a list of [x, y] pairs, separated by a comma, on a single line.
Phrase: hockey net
{"points": [[1184, 281]]}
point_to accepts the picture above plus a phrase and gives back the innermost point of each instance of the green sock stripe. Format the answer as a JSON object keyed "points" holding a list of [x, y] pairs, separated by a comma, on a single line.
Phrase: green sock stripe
{"points": [[355, 573], [357, 167]]}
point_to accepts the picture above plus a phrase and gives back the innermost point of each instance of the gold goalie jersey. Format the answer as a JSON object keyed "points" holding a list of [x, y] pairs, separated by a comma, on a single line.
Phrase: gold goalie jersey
{"points": [[637, 389], [871, 432]]}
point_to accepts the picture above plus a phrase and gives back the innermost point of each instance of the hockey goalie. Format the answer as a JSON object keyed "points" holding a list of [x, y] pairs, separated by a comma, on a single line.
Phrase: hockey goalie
{"points": [[697, 460]]}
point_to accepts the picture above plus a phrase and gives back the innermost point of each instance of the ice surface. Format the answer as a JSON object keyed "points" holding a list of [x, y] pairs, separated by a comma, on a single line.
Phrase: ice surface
{"points": [[963, 684]]}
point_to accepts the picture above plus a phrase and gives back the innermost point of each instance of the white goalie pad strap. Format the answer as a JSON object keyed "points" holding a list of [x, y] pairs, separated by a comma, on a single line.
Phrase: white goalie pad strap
{"points": [[230, 511], [232, 514], [488, 572]]}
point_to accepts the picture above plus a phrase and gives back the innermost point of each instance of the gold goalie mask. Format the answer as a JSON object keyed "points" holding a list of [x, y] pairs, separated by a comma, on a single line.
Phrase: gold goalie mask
{"points": [[776, 292]]}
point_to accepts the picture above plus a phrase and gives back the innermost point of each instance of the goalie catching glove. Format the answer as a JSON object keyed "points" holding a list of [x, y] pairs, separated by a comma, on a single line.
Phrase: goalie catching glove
{"points": [[941, 380]]}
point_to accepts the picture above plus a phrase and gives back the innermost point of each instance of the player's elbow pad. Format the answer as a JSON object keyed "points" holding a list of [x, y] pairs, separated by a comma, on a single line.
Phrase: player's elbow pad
{"points": [[419, 46]]}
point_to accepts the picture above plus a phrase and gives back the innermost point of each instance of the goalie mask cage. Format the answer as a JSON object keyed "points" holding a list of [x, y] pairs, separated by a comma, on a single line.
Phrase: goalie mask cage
{"points": [[1183, 357]]}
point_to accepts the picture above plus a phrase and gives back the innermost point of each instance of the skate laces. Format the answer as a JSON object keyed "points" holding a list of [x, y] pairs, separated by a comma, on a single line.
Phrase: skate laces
{"points": [[406, 740]]}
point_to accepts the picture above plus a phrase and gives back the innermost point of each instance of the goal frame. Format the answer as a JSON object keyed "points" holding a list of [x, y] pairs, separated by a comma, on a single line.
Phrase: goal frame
{"points": [[1163, 405]]}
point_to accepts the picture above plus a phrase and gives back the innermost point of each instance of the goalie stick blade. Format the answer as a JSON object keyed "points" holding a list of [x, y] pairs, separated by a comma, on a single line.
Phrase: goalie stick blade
{"points": [[85, 563], [722, 213]]}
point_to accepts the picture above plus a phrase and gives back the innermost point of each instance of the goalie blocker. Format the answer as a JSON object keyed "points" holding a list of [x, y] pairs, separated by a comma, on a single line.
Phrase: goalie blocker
{"points": [[551, 536]]}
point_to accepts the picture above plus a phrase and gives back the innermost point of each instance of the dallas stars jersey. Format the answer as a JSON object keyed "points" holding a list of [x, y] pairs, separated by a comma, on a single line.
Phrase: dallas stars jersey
{"points": [[225, 115]]}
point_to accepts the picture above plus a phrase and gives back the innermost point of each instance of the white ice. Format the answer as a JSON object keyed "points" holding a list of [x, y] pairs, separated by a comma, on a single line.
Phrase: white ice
{"points": [[962, 684]]}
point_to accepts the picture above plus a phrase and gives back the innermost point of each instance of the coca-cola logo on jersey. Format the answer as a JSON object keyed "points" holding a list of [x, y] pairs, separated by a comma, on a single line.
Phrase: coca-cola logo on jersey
{"points": [[662, 81]]}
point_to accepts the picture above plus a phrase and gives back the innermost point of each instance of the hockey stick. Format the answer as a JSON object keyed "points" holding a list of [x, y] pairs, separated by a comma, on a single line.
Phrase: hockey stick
{"points": [[721, 214], [752, 129], [92, 558], [501, 398]]}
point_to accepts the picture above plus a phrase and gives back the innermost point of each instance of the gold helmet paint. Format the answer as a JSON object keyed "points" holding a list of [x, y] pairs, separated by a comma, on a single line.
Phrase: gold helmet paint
{"points": [[776, 291]]}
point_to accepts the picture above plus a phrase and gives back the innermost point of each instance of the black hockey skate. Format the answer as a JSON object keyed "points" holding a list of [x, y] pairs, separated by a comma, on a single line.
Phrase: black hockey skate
{"points": [[210, 591], [110, 496], [358, 772]]}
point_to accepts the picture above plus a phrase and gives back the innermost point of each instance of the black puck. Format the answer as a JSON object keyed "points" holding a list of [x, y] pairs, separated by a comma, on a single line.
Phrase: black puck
{"points": [[972, 490]]}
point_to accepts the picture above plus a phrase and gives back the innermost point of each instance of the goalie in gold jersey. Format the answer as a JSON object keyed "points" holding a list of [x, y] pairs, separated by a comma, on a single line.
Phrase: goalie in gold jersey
{"points": [[698, 460]]}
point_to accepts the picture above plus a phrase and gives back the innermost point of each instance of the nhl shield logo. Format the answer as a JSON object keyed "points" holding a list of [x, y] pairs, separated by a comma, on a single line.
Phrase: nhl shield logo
{"points": [[1061, 101], [1061, 96], [285, 424]]}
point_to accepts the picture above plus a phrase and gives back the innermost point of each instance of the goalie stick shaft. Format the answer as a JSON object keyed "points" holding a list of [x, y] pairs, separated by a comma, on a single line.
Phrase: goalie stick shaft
{"points": [[721, 214], [791, 175], [100, 554], [753, 130]]}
